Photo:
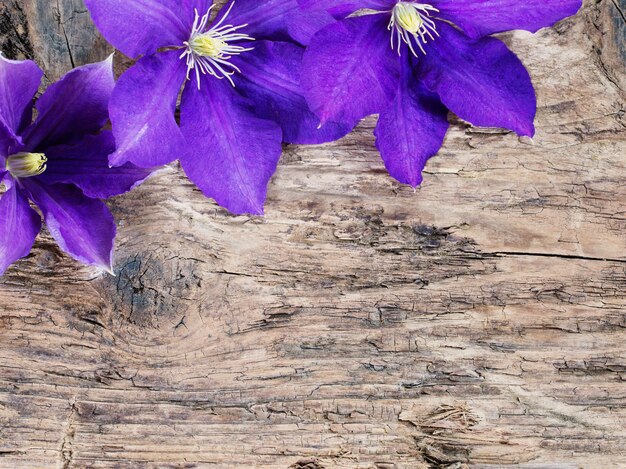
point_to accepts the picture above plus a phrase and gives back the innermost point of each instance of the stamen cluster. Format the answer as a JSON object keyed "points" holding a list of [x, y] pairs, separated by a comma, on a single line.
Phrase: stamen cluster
{"points": [[209, 51], [411, 23]]}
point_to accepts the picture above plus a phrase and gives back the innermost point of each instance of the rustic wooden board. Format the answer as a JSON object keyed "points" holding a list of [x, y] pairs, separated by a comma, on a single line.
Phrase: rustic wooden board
{"points": [[479, 321]]}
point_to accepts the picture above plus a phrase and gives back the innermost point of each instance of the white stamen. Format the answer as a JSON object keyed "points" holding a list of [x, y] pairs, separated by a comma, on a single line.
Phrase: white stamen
{"points": [[411, 23], [208, 51]]}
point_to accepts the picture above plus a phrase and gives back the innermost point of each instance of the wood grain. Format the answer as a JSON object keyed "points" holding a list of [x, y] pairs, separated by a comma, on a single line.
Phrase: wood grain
{"points": [[477, 322]]}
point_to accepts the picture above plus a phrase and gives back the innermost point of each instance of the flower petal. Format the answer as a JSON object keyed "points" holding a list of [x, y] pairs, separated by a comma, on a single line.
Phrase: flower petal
{"points": [[9, 144], [411, 130], [481, 81], [281, 20], [270, 76], [142, 111], [478, 18], [301, 27], [19, 81], [263, 19], [140, 27], [74, 106], [86, 165], [349, 70], [342, 8], [188, 9], [19, 228], [233, 152], [83, 227]]}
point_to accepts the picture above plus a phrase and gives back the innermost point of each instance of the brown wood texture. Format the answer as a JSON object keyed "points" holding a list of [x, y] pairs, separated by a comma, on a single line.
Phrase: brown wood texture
{"points": [[479, 321]]}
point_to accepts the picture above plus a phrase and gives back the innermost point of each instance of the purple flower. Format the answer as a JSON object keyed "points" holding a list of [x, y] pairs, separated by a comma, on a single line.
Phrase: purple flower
{"points": [[241, 97], [59, 162], [412, 62]]}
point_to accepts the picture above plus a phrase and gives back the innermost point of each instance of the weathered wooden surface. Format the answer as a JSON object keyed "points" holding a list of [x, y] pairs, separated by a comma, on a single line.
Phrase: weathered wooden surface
{"points": [[480, 321]]}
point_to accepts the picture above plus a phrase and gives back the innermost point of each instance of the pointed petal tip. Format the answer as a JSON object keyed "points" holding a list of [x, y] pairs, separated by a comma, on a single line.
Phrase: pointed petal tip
{"points": [[415, 183], [103, 266], [108, 266], [117, 159], [108, 62], [323, 119], [17, 62], [526, 131]]}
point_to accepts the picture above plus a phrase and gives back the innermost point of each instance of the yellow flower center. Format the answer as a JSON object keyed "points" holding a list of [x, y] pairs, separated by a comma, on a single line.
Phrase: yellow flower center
{"points": [[408, 17], [209, 49], [25, 165], [207, 45], [412, 24]]}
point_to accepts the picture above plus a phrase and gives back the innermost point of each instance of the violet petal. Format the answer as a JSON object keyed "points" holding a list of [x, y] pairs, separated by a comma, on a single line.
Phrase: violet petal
{"points": [[18, 229], [349, 70], [478, 18], [342, 8], [19, 81], [481, 81], [83, 227], [301, 27], [264, 19], [270, 76], [142, 111], [188, 9], [233, 153], [9, 144], [411, 130], [140, 27], [74, 106], [279, 20], [85, 164]]}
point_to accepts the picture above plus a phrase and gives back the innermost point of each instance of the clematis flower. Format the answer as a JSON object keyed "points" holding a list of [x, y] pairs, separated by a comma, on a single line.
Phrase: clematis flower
{"points": [[59, 162], [241, 98], [411, 62]]}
